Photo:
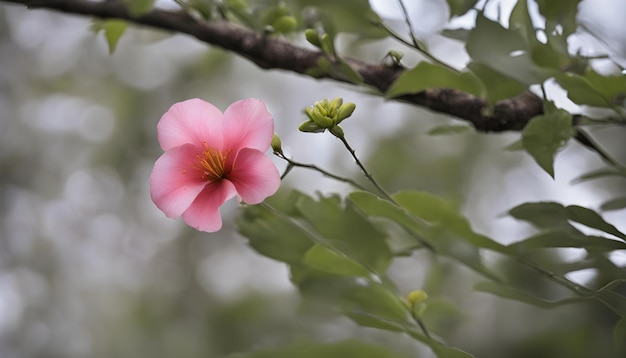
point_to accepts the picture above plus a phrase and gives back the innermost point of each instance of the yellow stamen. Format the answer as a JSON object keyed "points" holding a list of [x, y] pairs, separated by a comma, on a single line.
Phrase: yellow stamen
{"points": [[212, 164]]}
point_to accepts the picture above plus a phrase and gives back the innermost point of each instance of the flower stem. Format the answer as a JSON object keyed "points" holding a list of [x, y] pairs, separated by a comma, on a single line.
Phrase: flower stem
{"points": [[367, 174], [292, 164], [407, 20], [414, 42]]}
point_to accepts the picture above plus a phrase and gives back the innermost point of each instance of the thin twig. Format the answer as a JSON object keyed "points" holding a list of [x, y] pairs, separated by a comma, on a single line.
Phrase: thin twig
{"points": [[292, 163], [421, 50], [407, 19], [367, 174]]}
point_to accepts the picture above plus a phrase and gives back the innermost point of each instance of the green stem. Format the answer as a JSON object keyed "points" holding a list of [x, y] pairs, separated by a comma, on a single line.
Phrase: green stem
{"points": [[421, 50], [420, 323], [407, 20], [292, 164], [367, 174]]}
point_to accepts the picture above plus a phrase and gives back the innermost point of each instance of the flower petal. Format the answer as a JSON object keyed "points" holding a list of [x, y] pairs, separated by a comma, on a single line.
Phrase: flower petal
{"points": [[204, 214], [248, 124], [193, 121], [254, 175], [173, 184]]}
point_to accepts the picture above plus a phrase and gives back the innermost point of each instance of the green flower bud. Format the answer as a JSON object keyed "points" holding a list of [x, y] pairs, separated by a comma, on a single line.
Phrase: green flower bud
{"points": [[284, 24], [321, 107], [276, 144], [309, 112], [313, 37], [416, 297], [335, 104], [326, 43], [322, 121], [319, 114], [336, 131], [397, 55], [310, 127], [345, 111]]}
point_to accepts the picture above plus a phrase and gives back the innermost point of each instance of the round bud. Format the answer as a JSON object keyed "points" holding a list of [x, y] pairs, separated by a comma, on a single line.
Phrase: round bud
{"points": [[417, 296], [313, 37], [276, 144], [284, 24]]}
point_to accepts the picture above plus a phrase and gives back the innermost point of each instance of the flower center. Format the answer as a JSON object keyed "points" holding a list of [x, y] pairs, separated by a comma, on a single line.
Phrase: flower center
{"points": [[212, 164]]}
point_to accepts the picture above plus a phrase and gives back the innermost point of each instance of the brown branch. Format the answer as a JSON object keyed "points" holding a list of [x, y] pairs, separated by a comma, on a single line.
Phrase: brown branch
{"points": [[274, 53]]}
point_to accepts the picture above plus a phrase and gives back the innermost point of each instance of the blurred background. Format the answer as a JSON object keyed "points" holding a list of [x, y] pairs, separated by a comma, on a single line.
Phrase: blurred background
{"points": [[89, 267]]}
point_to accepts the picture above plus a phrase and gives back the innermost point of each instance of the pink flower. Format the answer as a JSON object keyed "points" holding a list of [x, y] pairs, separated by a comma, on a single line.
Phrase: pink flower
{"points": [[210, 157]]}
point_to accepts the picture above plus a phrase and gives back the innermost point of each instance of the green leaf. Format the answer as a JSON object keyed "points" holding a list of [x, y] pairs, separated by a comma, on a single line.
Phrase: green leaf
{"points": [[593, 89], [613, 87], [520, 20], [614, 300], [273, 234], [600, 173], [562, 12], [113, 31], [450, 129], [460, 34], [347, 231], [376, 306], [580, 91], [544, 135], [240, 11], [372, 205], [140, 7], [605, 295], [349, 73], [329, 261], [619, 335], [515, 146], [441, 213], [203, 7], [544, 215], [511, 293], [460, 7], [352, 16], [427, 75], [555, 238], [593, 220], [435, 236], [443, 351], [614, 204], [497, 85], [318, 285], [501, 49], [554, 216], [322, 67], [549, 56], [305, 349]]}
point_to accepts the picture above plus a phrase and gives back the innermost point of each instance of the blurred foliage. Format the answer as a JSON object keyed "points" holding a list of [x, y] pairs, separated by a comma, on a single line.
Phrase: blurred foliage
{"points": [[91, 268], [332, 350]]}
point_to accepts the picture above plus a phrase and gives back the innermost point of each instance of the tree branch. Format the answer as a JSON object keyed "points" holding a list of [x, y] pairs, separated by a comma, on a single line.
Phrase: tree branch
{"points": [[275, 53]]}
